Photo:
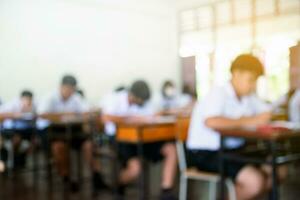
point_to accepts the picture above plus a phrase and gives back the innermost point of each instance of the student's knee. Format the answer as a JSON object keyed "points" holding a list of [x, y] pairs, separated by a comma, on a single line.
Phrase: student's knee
{"points": [[282, 173], [58, 148], [134, 167], [252, 182], [87, 146], [169, 150], [16, 139]]}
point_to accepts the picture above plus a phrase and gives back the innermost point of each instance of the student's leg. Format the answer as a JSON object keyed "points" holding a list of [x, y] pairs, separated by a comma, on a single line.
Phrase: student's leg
{"points": [[131, 171], [87, 148], [61, 158], [282, 172], [250, 183], [168, 151], [16, 141]]}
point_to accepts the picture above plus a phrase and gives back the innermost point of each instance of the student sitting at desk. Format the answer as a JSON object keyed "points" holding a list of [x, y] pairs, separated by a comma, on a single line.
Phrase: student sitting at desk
{"points": [[171, 101], [134, 104], [233, 105], [67, 103], [17, 124], [294, 107]]}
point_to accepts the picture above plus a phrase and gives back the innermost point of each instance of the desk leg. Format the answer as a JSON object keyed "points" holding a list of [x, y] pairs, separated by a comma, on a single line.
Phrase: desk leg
{"points": [[275, 189], [49, 155], [142, 175], [222, 169], [35, 160], [69, 143]]}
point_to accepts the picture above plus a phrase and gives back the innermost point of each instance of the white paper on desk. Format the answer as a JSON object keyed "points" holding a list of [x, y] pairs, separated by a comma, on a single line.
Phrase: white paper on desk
{"points": [[286, 124], [42, 124]]}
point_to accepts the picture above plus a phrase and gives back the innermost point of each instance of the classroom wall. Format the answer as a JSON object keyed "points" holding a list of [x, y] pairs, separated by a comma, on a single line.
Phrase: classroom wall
{"points": [[103, 43]]}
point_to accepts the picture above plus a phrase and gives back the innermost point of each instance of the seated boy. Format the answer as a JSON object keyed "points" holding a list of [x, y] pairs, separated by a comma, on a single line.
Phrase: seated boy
{"points": [[18, 125], [171, 101], [67, 102], [231, 106], [134, 104]]}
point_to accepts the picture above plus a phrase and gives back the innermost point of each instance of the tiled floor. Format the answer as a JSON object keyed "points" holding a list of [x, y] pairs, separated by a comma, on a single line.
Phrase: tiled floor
{"points": [[22, 187]]}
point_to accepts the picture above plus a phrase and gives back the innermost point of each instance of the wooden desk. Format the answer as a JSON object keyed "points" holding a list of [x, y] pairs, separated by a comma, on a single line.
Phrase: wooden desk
{"points": [[139, 132], [182, 127], [67, 122], [271, 137], [152, 130]]}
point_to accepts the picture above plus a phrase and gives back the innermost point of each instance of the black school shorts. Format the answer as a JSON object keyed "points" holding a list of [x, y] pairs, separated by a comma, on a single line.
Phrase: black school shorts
{"points": [[152, 151], [76, 140], [209, 161]]}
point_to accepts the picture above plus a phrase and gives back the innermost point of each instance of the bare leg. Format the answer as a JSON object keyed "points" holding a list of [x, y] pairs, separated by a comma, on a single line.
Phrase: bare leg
{"points": [[169, 165], [87, 148], [250, 183], [61, 158], [282, 172], [131, 172]]}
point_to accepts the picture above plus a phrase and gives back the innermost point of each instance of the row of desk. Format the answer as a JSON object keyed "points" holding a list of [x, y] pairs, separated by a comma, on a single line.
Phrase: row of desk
{"points": [[171, 127]]}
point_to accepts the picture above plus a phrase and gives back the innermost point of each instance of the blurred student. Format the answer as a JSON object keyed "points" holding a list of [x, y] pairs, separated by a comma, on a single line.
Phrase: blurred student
{"points": [[134, 104], [283, 106], [233, 105], [67, 102], [294, 107], [18, 125], [172, 101]]}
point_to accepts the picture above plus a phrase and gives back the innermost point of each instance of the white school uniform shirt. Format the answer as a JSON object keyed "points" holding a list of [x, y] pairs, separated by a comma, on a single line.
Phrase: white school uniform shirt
{"points": [[221, 101], [294, 107], [54, 103], [117, 104], [14, 106]]}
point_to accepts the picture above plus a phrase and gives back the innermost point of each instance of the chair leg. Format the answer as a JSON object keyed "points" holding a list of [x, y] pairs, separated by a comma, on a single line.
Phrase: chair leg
{"points": [[231, 189], [183, 188], [212, 190]]}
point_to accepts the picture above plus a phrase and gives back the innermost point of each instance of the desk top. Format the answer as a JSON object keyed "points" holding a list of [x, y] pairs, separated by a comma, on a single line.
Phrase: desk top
{"points": [[148, 122], [69, 119], [260, 133]]}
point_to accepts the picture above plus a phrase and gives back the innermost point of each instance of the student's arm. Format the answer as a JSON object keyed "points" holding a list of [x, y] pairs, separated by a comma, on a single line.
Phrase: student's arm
{"points": [[10, 115], [112, 118], [9, 111], [120, 119], [223, 122]]}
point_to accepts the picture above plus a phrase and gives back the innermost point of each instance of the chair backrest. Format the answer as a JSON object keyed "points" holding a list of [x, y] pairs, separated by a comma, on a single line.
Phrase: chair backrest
{"points": [[182, 127]]}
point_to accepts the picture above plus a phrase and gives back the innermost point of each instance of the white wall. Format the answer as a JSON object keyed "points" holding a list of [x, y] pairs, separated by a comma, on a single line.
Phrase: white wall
{"points": [[103, 42]]}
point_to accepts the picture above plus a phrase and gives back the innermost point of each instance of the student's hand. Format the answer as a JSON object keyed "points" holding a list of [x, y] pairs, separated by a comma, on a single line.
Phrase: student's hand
{"points": [[17, 115]]}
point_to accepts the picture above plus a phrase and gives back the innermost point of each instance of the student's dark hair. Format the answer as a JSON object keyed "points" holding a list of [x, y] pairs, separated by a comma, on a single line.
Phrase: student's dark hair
{"points": [[248, 62], [186, 89], [69, 80], [80, 92], [140, 89], [120, 88], [26, 93]]}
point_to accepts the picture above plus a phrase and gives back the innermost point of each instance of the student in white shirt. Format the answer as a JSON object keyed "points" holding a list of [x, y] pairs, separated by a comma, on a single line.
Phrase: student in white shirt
{"points": [[67, 102], [231, 106], [287, 105], [18, 125], [135, 104], [171, 101], [294, 107]]}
